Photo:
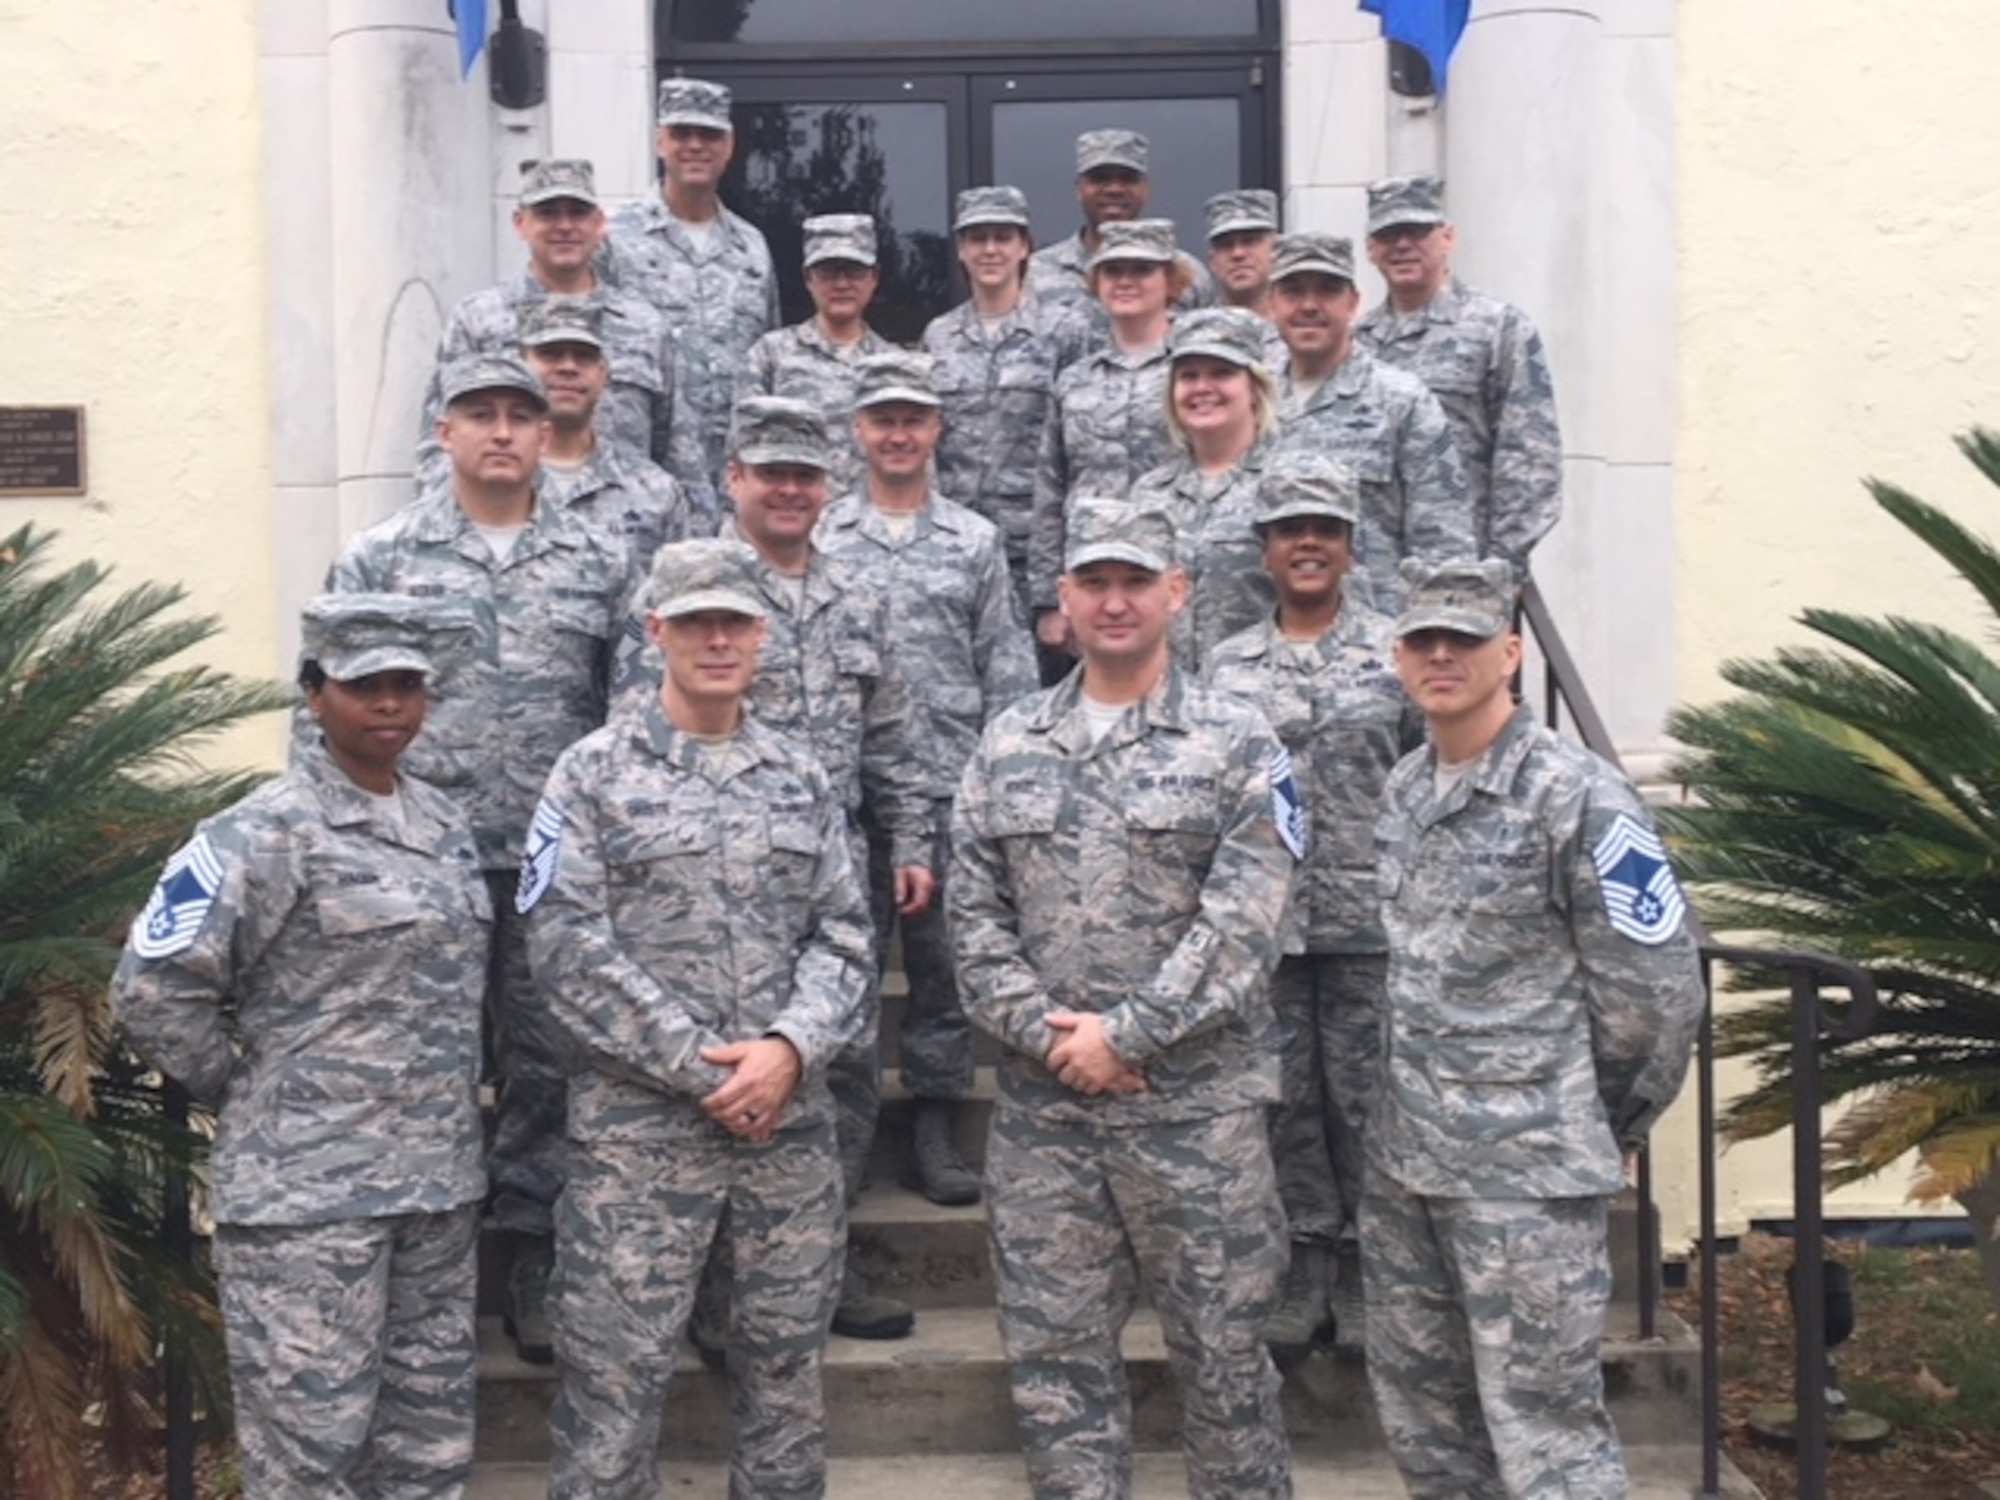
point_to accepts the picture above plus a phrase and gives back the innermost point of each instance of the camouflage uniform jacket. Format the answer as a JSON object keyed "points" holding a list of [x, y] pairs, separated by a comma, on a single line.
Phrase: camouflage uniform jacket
{"points": [[801, 362], [1217, 545], [536, 675], [1059, 273], [1108, 426], [1528, 1038], [328, 1003], [1391, 431], [1140, 876], [1485, 363], [827, 678], [632, 497], [954, 632], [719, 296], [687, 903], [997, 384], [1339, 708], [645, 411]]}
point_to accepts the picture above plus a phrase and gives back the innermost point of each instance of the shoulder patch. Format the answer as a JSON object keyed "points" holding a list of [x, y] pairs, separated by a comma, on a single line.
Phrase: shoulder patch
{"points": [[1642, 899], [1288, 809], [180, 902], [539, 860]]}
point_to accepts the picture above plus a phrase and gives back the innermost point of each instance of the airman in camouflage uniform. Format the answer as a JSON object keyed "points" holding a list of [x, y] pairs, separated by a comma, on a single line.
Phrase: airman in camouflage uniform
{"points": [[1482, 358], [310, 967], [826, 677], [695, 914], [704, 269], [1122, 849], [1380, 422], [1242, 236], [1214, 538], [645, 413], [1108, 425], [547, 590], [816, 360], [626, 493], [1544, 993], [996, 356], [1321, 668], [1112, 187], [961, 646]]}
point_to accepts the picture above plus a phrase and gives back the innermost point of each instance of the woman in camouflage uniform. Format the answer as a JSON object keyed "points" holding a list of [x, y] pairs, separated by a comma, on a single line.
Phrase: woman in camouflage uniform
{"points": [[1108, 424], [311, 966], [1222, 410]]}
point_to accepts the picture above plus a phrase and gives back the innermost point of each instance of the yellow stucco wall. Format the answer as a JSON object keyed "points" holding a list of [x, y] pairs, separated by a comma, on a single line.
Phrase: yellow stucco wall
{"points": [[1839, 195], [1839, 317], [132, 251]]}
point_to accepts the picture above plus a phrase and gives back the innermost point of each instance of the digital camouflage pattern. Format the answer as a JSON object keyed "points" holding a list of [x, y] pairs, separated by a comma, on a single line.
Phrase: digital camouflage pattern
{"points": [[1340, 710], [1059, 275], [646, 411], [352, 1356], [1214, 540], [1079, 1221], [327, 1005], [694, 896], [1392, 433], [1140, 876], [632, 497], [799, 361], [997, 384], [1485, 1316], [1485, 363], [1582, 1034], [1108, 427], [719, 294]]}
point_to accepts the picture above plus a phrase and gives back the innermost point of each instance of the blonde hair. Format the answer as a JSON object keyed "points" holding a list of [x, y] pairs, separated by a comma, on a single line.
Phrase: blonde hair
{"points": [[1179, 279], [1263, 405]]}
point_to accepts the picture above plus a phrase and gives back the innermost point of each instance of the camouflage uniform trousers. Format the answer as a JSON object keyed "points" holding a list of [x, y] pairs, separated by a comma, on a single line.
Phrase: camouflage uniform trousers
{"points": [[351, 1350], [633, 1230], [1484, 1320], [531, 1056], [1329, 1009], [854, 1077], [935, 1044], [1079, 1217]]}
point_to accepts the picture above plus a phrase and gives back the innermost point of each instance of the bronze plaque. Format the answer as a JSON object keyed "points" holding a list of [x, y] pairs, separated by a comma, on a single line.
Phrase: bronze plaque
{"points": [[41, 450]]}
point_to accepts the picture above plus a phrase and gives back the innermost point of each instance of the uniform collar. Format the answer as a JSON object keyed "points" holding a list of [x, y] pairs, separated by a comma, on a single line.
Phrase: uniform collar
{"points": [[345, 805], [1494, 772], [1060, 715]]}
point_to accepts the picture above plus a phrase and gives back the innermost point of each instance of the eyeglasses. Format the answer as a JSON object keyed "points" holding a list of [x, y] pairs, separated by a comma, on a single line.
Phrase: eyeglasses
{"points": [[1394, 232]]}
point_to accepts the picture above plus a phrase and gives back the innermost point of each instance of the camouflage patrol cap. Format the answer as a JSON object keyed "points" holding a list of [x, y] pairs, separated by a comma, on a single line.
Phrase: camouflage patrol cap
{"points": [[1302, 482], [709, 572], [1104, 528], [1234, 334], [562, 320], [1298, 253], [693, 101], [564, 177], [848, 237], [779, 430], [990, 205], [1111, 148], [897, 375], [1405, 200], [491, 372], [1240, 210], [353, 635], [1472, 598], [1135, 239]]}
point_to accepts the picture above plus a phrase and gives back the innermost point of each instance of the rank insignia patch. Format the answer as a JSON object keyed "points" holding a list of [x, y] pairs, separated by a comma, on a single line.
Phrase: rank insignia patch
{"points": [[180, 902], [538, 862], [1641, 897], [1288, 809]]}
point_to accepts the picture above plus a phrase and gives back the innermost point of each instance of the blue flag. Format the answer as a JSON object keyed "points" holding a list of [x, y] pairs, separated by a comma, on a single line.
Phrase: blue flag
{"points": [[1433, 27], [471, 17]]}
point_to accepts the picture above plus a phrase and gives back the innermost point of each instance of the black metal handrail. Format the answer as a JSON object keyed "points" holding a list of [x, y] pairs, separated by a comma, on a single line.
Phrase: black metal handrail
{"points": [[1810, 975]]}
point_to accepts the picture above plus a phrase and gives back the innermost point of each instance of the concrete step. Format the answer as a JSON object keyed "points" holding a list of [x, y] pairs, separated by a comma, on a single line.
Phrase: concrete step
{"points": [[1663, 1471], [893, 1126], [943, 1390]]}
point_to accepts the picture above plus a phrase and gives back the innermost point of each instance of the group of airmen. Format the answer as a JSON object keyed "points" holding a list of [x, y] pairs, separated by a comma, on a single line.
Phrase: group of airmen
{"points": [[1138, 653]]}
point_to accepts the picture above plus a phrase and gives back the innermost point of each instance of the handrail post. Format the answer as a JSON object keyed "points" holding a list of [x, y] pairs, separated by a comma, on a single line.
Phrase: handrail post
{"points": [[177, 1234], [1808, 1225], [1711, 1304]]}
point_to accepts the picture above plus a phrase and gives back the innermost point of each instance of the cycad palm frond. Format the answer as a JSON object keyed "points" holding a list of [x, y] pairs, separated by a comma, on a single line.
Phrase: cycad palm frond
{"points": [[99, 715]]}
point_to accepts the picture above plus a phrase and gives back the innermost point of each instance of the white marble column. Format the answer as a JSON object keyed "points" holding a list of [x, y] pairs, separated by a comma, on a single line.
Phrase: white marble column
{"points": [[409, 228], [1336, 113]]}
